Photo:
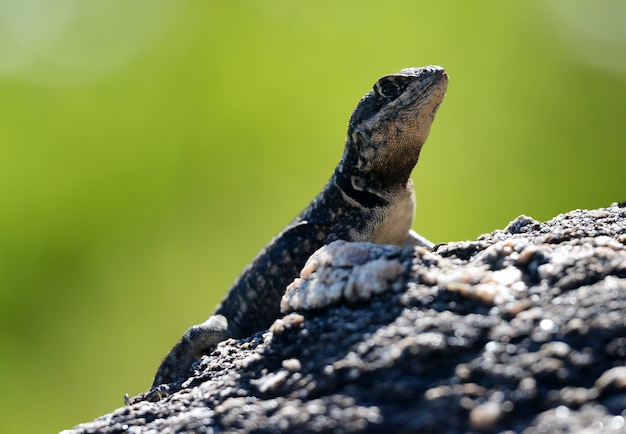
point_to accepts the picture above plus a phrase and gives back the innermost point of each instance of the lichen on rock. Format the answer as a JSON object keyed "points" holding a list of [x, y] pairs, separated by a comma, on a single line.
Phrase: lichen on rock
{"points": [[347, 271]]}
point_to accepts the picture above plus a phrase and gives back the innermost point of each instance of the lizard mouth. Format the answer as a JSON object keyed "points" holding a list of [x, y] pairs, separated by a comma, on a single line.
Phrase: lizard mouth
{"points": [[426, 87], [432, 81]]}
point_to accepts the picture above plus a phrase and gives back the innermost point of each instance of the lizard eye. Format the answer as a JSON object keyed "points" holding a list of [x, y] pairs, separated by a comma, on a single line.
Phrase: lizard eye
{"points": [[387, 89]]}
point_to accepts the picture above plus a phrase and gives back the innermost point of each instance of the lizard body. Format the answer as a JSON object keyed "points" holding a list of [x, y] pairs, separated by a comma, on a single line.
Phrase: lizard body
{"points": [[370, 197]]}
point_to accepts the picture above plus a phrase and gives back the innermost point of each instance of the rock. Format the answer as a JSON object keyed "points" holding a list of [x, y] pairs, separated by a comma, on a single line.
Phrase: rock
{"points": [[521, 330]]}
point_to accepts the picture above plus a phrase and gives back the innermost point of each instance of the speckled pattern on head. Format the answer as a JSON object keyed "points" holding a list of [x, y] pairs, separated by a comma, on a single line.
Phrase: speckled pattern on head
{"points": [[369, 197]]}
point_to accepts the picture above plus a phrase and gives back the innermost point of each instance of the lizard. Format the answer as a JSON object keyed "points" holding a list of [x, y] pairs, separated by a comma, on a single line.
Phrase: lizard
{"points": [[369, 197]]}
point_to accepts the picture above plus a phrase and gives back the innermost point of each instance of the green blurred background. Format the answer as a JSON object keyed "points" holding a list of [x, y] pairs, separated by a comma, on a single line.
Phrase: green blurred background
{"points": [[149, 149]]}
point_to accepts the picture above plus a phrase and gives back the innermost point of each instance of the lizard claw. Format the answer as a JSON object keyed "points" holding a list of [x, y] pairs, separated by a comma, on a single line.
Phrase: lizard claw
{"points": [[153, 395]]}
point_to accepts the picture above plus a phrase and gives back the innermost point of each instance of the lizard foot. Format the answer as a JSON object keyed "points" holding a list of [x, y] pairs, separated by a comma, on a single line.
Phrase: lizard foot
{"points": [[152, 395]]}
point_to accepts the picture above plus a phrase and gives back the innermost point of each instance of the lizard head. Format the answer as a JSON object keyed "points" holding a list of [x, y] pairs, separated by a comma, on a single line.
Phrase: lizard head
{"points": [[389, 126]]}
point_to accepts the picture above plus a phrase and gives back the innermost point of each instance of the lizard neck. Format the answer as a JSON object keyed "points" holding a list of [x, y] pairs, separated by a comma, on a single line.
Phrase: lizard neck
{"points": [[373, 180]]}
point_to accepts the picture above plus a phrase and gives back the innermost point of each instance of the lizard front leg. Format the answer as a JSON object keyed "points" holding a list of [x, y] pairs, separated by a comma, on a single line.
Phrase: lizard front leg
{"points": [[196, 340], [415, 239]]}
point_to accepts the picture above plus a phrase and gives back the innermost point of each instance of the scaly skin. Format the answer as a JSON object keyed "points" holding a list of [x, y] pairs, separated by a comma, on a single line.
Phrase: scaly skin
{"points": [[370, 197]]}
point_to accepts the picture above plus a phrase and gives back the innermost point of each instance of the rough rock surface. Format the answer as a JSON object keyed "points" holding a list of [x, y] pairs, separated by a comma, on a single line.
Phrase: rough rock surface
{"points": [[522, 330]]}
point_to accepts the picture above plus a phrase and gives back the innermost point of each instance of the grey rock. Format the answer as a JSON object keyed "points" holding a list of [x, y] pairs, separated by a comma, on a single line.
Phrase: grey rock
{"points": [[522, 330]]}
